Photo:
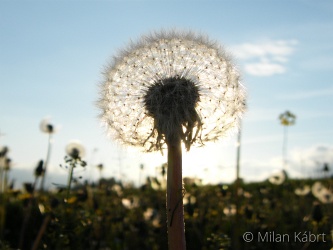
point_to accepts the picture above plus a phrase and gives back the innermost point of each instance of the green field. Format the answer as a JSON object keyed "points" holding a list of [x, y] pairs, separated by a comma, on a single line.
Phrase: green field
{"points": [[296, 214]]}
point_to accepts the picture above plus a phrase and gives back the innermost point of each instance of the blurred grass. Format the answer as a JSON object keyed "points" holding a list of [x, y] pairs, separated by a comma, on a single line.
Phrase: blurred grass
{"points": [[110, 215]]}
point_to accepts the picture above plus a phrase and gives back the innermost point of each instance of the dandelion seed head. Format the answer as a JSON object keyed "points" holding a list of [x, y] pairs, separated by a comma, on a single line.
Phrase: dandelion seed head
{"points": [[3, 151], [230, 210], [75, 149], [322, 193], [302, 191], [277, 178], [46, 126], [171, 85]]}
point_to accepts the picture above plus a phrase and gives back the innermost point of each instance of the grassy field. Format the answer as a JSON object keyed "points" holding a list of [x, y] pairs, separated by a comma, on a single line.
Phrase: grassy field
{"points": [[294, 214]]}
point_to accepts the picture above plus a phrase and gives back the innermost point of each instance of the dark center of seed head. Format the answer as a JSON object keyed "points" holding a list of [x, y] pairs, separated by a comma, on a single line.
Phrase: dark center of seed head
{"points": [[172, 100], [75, 153]]}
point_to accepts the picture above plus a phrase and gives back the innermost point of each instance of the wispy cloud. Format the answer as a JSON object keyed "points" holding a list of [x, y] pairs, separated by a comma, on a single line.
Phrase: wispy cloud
{"points": [[314, 155], [264, 68], [302, 162], [265, 58], [311, 160], [308, 94]]}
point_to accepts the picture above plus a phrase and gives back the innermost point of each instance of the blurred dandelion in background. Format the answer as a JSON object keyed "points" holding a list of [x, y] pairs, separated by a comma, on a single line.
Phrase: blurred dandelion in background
{"points": [[130, 203], [39, 170], [75, 152], [117, 189], [100, 168], [4, 167], [302, 191], [286, 119], [46, 127], [153, 216], [230, 210], [169, 88], [317, 188], [278, 178], [322, 193]]}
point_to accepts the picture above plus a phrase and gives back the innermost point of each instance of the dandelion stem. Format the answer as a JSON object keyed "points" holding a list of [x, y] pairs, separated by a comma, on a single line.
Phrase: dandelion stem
{"points": [[175, 211], [46, 162], [3, 201], [41, 232], [70, 177], [237, 187], [284, 147]]}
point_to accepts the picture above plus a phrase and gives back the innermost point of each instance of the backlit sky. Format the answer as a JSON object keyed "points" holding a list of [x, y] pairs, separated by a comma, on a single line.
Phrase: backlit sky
{"points": [[52, 54]]}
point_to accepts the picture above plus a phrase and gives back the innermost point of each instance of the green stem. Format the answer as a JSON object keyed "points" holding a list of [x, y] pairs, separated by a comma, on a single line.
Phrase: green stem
{"points": [[174, 204], [237, 197], [46, 162], [2, 214], [72, 165], [284, 147], [41, 232], [1, 175]]}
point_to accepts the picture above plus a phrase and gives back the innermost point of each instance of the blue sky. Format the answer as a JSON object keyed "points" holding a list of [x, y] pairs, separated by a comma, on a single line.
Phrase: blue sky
{"points": [[52, 54]]}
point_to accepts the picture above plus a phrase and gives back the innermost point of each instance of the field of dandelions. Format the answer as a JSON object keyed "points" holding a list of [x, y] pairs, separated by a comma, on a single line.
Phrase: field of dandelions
{"points": [[167, 89], [108, 214]]}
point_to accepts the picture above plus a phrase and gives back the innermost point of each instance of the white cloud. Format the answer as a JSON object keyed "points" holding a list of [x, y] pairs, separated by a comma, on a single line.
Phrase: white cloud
{"points": [[314, 155], [301, 163], [265, 58], [309, 162], [264, 68], [278, 48]]}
